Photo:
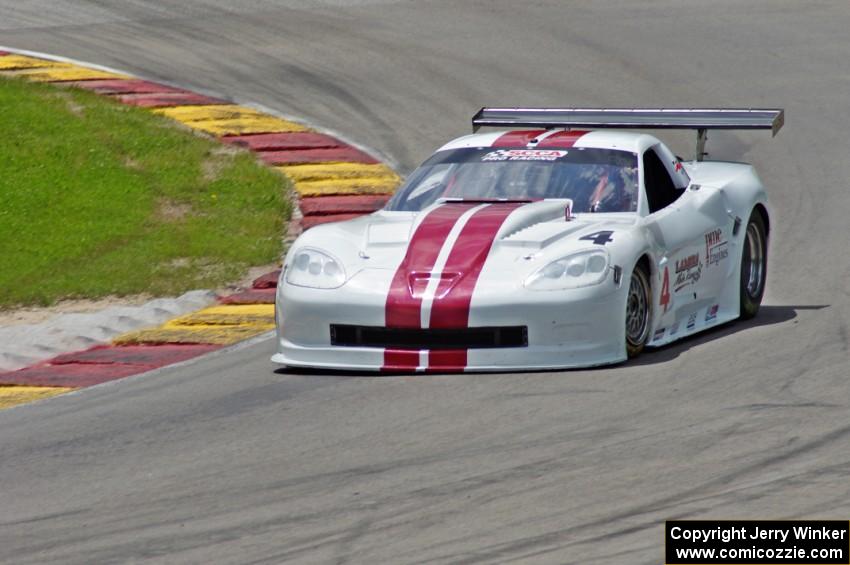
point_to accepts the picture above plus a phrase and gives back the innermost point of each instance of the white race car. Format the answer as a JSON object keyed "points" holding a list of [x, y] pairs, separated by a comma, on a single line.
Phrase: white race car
{"points": [[542, 248]]}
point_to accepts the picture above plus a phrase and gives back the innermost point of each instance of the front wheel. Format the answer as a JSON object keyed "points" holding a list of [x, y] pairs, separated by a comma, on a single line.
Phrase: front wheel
{"points": [[753, 266], [638, 311]]}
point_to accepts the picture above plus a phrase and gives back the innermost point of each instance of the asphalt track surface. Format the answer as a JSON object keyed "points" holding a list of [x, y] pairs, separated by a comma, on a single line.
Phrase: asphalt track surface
{"points": [[225, 460]]}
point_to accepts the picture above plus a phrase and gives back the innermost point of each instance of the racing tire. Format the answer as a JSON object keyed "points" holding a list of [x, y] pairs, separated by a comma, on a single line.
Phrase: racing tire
{"points": [[753, 266], [638, 311]]}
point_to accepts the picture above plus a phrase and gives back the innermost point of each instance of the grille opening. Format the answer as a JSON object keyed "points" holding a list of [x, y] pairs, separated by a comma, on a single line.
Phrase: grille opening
{"points": [[437, 338]]}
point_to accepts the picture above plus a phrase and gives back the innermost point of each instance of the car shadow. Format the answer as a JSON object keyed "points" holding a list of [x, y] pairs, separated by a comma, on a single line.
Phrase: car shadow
{"points": [[767, 316], [304, 372]]}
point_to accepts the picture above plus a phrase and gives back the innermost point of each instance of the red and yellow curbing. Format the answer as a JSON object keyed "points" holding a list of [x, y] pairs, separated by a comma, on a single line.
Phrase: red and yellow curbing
{"points": [[332, 181], [14, 395], [226, 324]]}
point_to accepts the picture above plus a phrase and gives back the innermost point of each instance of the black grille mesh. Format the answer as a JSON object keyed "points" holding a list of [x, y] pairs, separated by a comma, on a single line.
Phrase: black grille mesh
{"points": [[414, 338]]}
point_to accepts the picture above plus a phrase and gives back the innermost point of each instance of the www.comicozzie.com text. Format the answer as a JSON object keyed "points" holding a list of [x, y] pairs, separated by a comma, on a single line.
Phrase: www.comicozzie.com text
{"points": [[727, 534]]}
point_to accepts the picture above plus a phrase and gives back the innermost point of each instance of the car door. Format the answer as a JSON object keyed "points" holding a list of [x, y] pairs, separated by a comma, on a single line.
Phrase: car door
{"points": [[677, 233]]}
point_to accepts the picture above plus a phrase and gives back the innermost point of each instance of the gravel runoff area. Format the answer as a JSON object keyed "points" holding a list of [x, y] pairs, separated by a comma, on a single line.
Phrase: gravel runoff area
{"points": [[25, 344]]}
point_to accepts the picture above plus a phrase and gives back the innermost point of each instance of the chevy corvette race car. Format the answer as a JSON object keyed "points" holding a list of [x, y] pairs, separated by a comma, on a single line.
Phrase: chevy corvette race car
{"points": [[539, 247]]}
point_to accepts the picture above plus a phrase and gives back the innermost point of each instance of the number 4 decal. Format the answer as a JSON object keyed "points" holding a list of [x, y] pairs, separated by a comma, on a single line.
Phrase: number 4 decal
{"points": [[599, 237], [665, 290]]}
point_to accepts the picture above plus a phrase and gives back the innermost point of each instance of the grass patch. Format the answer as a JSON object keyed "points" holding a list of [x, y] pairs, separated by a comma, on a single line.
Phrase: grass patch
{"points": [[98, 198]]}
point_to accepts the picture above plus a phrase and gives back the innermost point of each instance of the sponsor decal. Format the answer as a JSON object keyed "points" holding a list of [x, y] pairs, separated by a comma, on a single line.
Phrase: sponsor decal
{"points": [[712, 238], [692, 321], [664, 300], [599, 237], [688, 271], [659, 333], [687, 263], [717, 253], [524, 155], [716, 248], [711, 313], [674, 328]]}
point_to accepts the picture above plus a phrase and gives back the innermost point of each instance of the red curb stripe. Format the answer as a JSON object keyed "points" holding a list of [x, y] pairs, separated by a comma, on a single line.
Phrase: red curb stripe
{"points": [[3, 53], [150, 356], [123, 86], [323, 205], [253, 296], [164, 99], [73, 375], [269, 280], [67, 81], [304, 156], [312, 221], [284, 141]]}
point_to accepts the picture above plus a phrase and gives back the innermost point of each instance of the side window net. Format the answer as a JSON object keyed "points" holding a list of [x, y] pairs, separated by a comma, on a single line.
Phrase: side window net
{"points": [[660, 190]]}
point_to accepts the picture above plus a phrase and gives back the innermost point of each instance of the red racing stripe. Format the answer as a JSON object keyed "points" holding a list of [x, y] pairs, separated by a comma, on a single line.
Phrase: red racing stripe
{"points": [[446, 360], [400, 359], [517, 138], [467, 258], [453, 297], [403, 307], [560, 140]]}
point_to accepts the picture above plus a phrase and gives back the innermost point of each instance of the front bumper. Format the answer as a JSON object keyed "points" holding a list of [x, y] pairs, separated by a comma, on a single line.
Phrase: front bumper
{"points": [[566, 329]]}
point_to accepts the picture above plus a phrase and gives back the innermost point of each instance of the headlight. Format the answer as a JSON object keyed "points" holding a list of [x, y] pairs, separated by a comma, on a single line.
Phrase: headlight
{"points": [[315, 269], [585, 268]]}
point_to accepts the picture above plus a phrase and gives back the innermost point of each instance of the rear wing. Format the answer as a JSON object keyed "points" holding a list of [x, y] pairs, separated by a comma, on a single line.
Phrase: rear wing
{"points": [[701, 120]]}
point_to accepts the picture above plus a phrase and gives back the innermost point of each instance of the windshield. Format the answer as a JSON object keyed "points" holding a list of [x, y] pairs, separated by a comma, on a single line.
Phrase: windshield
{"points": [[597, 180]]}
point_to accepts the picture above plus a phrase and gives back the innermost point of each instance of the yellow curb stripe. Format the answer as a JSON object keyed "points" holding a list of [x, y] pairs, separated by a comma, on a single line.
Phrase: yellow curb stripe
{"points": [[240, 309], [346, 186], [14, 395], [16, 62], [331, 171], [215, 335], [187, 114], [218, 325], [228, 119], [228, 315], [248, 125], [70, 72]]}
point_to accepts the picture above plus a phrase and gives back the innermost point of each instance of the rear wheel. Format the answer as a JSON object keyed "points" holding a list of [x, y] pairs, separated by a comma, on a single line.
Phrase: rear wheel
{"points": [[753, 266], [638, 311]]}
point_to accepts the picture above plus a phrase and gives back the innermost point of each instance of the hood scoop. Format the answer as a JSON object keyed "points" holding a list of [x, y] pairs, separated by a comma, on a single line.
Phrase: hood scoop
{"points": [[418, 281], [542, 235], [539, 224], [388, 233], [535, 213]]}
